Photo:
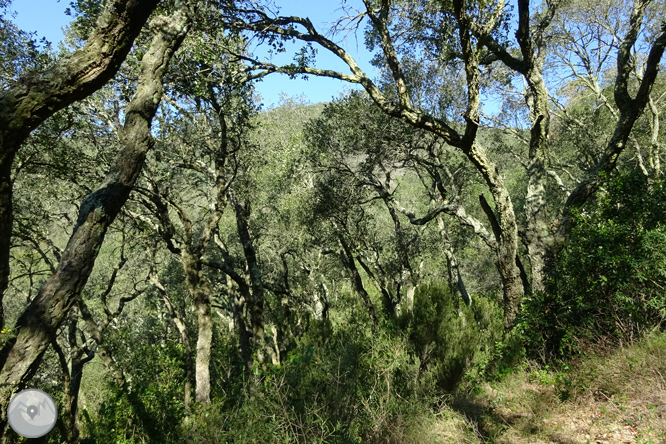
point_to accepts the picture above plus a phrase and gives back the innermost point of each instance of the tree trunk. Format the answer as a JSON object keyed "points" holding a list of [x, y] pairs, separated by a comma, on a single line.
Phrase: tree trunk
{"points": [[349, 263], [321, 302], [38, 323], [389, 302], [237, 299], [533, 49], [71, 403], [104, 354], [539, 239], [72, 376], [37, 96], [507, 243], [178, 320], [5, 232], [200, 292], [256, 303], [204, 341], [456, 282]]}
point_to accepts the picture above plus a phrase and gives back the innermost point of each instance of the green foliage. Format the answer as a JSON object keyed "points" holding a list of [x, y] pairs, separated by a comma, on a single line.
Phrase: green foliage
{"points": [[20, 52], [151, 404], [337, 386], [85, 13], [327, 198], [610, 280], [450, 338], [347, 383]]}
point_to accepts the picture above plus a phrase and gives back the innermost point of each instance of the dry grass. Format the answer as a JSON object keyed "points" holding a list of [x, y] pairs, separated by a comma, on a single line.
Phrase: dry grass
{"points": [[618, 398]]}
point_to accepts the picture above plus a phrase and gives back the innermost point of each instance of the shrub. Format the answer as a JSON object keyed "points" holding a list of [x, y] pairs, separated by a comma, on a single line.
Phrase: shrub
{"points": [[351, 386], [151, 407], [609, 282], [449, 338]]}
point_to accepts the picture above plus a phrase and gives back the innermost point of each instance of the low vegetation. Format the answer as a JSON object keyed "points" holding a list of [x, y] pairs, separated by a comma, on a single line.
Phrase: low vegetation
{"points": [[469, 248]]}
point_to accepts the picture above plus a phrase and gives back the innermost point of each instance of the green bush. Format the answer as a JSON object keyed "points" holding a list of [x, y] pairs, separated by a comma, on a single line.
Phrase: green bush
{"points": [[450, 338], [609, 282], [337, 386], [151, 407], [347, 383]]}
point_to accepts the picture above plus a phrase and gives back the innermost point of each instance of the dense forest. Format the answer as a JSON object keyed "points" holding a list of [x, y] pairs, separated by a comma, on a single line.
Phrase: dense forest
{"points": [[482, 224]]}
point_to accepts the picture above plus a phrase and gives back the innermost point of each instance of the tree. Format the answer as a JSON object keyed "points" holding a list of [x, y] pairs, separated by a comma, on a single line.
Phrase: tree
{"points": [[357, 144], [608, 284], [192, 230], [35, 96], [479, 41], [37, 325]]}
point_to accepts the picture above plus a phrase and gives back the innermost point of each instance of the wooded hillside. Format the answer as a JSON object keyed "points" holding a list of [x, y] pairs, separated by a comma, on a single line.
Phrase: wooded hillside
{"points": [[180, 263]]}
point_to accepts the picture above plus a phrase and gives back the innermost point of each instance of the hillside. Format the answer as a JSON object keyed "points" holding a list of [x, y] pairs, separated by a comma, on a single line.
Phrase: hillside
{"points": [[612, 399]]}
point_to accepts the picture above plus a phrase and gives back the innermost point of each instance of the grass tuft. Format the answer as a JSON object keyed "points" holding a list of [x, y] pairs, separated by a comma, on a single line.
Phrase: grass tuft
{"points": [[619, 397]]}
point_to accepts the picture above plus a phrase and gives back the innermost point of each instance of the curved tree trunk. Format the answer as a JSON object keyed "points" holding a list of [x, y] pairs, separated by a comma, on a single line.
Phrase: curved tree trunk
{"points": [[37, 96], [72, 375], [116, 372], [349, 262], [507, 242], [539, 239], [38, 324]]}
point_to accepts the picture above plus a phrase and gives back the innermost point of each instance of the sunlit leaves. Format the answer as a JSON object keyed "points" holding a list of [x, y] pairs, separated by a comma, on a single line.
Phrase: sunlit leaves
{"points": [[20, 51]]}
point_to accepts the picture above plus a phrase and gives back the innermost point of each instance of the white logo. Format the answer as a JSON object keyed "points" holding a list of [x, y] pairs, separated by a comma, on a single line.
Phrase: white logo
{"points": [[32, 413]]}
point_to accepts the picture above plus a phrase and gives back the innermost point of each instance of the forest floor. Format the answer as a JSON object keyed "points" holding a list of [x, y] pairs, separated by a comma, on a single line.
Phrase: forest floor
{"points": [[619, 397]]}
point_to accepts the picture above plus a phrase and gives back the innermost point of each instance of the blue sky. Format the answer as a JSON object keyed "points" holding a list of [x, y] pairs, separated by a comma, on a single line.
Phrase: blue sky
{"points": [[47, 18]]}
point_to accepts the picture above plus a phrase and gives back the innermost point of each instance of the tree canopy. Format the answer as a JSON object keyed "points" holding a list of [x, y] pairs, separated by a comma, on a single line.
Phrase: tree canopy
{"points": [[493, 195]]}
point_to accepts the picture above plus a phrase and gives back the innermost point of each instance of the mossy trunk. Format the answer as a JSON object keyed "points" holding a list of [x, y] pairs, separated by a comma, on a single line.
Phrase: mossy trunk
{"points": [[37, 96], [38, 324], [200, 293]]}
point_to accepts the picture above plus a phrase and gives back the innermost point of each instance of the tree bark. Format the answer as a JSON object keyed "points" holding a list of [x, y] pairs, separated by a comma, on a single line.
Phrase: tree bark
{"points": [[237, 300], [532, 45], [204, 343], [256, 304], [200, 291], [507, 242], [71, 405], [38, 323], [349, 263], [37, 96], [539, 238], [72, 375]]}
